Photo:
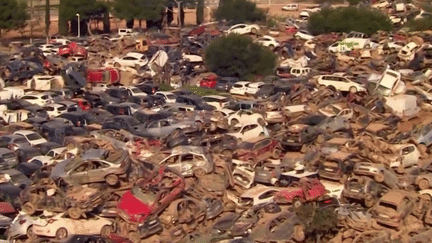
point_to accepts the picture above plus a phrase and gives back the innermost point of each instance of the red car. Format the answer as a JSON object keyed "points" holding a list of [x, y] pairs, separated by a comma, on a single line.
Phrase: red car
{"points": [[258, 150], [305, 190], [72, 49], [146, 199], [103, 75], [291, 29], [209, 81], [82, 103]]}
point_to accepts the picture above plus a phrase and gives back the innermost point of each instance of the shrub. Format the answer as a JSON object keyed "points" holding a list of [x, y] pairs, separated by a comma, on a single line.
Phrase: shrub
{"points": [[237, 56], [239, 11], [349, 19]]}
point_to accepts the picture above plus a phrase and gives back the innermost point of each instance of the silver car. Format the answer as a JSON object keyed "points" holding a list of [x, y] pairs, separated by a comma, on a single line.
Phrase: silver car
{"points": [[189, 160]]}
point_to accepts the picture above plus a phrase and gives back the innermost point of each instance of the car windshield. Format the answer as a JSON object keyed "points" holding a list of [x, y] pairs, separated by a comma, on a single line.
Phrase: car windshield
{"points": [[34, 136], [136, 91], [383, 90], [148, 197], [20, 140], [245, 145]]}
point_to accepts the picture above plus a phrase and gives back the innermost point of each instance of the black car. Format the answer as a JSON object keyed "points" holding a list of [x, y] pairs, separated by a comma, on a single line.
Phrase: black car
{"points": [[127, 123], [97, 115], [225, 83], [126, 108], [144, 101], [268, 90], [94, 99], [78, 118], [147, 117], [194, 101], [148, 88], [223, 144], [56, 131], [119, 93], [26, 153]]}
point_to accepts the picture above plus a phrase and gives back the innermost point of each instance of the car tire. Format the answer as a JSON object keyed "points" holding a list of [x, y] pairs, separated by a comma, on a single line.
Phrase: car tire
{"points": [[379, 177], [61, 234], [276, 153], [198, 173], [134, 237], [297, 203], [272, 47], [117, 65], [369, 201], [106, 230], [272, 208], [199, 125], [353, 90], [299, 234], [234, 122], [75, 213], [254, 31], [29, 208], [320, 139], [423, 184], [30, 234], [111, 179], [227, 153]]}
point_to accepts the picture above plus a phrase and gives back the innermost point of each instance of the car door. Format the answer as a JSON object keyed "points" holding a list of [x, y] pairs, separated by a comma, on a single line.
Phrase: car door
{"points": [[80, 173], [97, 170], [165, 128], [153, 128]]}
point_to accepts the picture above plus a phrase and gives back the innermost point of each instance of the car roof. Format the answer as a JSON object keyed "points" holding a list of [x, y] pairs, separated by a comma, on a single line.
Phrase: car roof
{"points": [[258, 189], [215, 96], [24, 132], [242, 82]]}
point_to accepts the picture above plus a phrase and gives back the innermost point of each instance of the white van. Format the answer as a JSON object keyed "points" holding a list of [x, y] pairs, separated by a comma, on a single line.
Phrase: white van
{"points": [[350, 44], [390, 83], [408, 52], [403, 106], [126, 32]]}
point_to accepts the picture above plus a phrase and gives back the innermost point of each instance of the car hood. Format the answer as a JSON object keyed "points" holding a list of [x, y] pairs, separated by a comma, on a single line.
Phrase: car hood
{"points": [[133, 207]]}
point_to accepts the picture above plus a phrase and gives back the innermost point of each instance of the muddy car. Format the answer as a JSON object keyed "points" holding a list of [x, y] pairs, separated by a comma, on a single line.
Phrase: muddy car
{"points": [[338, 166], [258, 150], [220, 144], [187, 211], [189, 161], [363, 189], [76, 202], [379, 172], [138, 207], [306, 190], [284, 226], [87, 171], [394, 206], [299, 136]]}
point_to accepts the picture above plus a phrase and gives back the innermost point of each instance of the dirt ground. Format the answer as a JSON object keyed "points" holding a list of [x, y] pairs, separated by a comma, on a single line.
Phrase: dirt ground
{"points": [[190, 20]]}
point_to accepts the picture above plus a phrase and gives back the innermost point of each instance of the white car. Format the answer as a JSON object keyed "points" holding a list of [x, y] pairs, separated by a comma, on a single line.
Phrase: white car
{"points": [[37, 98], [252, 88], [245, 117], [268, 41], [132, 59], [290, 7], [100, 87], [133, 91], [243, 29], [381, 4], [22, 225], [53, 156], [33, 138], [249, 131], [304, 35], [260, 194], [44, 82], [239, 88], [60, 40], [54, 110], [226, 112], [52, 48], [126, 32], [61, 227], [169, 97], [337, 110], [408, 52], [217, 101], [340, 83]]}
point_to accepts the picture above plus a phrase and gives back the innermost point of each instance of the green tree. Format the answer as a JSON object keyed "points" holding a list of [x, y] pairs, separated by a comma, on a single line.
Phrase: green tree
{"points": [[13, 15], [85, 8], [320, 222], [349, 19], [239, 11], [200, 12], [238, 56], [139, 9]]}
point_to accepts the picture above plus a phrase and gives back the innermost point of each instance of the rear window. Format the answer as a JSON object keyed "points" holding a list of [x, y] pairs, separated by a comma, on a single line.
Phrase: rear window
{"points": [[388, 205], [33, 136], [20, 140]]}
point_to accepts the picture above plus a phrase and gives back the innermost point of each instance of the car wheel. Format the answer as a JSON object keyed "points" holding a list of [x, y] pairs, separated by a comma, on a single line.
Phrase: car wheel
{"points": [[254, 31], [75, 213], [353, 90], [134, 237], [320, 139], [106, 230], [227, 153], [199, 173], [111, 179], [199, 125], [299, 234], [297, 203], [272, 208], [368, 201], [379, 177], [322, 87], [29, 208], [272, 47], [276, 153], [234, 122], [30, 233], [261, 121], [423, 184], [61, 234], [117, 65]]}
